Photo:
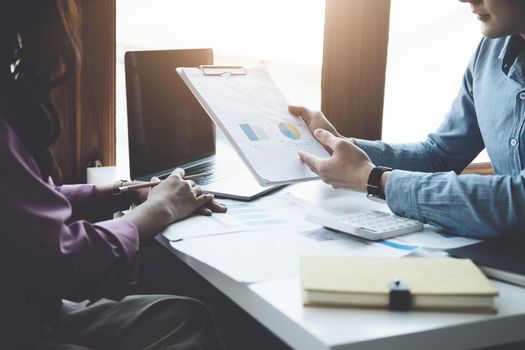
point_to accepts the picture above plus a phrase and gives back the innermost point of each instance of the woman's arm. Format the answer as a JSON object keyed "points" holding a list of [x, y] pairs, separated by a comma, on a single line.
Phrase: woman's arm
{"points": [[52, 252], [44, 246], [96, 203]]}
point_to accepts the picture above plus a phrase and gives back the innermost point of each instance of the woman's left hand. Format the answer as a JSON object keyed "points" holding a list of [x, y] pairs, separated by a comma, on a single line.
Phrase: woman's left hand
{"points": [[139, 196], [212, 207]]}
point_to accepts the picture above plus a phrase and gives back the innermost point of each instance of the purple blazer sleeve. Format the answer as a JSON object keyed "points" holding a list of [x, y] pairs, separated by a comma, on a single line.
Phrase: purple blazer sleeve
{"points": [[45, 247], [81, 198], [85, 206]]}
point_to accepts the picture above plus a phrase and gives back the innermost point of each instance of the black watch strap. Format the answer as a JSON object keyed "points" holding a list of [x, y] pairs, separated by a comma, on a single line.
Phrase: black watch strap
{"points": [[373, 185]]}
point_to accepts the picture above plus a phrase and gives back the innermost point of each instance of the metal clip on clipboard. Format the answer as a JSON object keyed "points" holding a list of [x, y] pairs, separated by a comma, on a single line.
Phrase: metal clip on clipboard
{"points": [[223, 70]]}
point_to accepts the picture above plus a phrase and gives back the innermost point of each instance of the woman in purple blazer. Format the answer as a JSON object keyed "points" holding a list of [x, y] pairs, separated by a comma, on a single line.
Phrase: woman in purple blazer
{"points": [[55, 250]]}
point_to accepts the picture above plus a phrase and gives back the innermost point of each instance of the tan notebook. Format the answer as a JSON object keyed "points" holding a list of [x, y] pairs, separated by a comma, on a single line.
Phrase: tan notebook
{"points": [[434, 283]]}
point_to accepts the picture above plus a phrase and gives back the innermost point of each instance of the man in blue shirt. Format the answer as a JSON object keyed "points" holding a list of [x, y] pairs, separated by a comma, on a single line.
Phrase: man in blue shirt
{"points": [[489, 112]]}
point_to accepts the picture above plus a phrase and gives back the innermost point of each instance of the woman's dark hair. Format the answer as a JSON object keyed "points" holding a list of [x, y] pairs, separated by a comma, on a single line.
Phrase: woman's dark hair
{"points": [[39, 50]]}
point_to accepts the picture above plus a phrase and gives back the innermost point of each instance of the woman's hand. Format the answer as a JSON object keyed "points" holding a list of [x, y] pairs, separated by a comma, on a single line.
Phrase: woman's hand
{"points": [[314, 119], [138, 196], [212, 207], [348, 167], [171, 200]]}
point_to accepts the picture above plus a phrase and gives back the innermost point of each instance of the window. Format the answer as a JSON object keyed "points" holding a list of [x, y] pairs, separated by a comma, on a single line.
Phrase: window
{"points": [[288, 41], [429, 48]]}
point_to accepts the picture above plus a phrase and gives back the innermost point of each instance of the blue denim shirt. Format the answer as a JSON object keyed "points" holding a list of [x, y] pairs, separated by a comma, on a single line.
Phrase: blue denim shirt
{"points": [[489, 112]]}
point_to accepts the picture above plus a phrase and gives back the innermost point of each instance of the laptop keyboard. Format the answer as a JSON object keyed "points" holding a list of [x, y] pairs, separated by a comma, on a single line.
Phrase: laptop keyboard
{"points": [[219, 171]]}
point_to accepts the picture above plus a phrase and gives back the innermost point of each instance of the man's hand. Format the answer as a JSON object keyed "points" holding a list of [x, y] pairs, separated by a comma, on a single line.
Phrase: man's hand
{"points": [[314, 119], [349, 166]]}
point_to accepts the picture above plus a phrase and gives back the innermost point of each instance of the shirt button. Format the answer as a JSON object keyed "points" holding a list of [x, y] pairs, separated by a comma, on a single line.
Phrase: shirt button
{"points": [[522, 95], [513, 142]]}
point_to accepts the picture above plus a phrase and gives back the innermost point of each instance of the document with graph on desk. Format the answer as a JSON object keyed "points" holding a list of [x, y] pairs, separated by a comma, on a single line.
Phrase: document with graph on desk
{"points": [[254, 116]]}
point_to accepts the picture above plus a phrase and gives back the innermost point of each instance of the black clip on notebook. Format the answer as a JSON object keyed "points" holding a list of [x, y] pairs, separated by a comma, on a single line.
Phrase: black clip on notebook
{"points": [[400, 298]]}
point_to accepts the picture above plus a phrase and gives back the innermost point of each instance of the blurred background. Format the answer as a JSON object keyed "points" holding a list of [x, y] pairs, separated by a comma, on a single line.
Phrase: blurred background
{"points": [[430, 45]]}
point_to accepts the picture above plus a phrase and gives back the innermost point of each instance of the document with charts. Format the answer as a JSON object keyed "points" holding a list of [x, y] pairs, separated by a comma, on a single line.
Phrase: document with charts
{"points": [[254, 116]]}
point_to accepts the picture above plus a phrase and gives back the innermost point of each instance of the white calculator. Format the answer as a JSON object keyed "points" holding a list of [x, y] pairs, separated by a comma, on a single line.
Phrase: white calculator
{"points": [[371, 224]]}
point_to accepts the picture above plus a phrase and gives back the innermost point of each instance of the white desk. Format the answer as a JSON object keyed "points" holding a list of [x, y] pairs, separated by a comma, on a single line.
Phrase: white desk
{"points": [[278, 306]]}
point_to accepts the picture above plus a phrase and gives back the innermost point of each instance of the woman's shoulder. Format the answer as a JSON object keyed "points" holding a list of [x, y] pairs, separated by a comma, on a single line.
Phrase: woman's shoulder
{"points": [[7, 134], [12, 149], [8, 137]]}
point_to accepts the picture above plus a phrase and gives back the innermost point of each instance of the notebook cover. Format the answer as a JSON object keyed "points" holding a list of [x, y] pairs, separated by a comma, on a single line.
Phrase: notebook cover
{"points": [[424, 276]]}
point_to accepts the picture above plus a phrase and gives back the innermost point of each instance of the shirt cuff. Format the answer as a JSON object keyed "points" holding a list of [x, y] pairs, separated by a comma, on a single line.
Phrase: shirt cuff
{"points": [[402, 193]]}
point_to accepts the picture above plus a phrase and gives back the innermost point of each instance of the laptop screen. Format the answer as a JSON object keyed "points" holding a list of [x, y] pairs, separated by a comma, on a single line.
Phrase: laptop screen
{"points": [[166, 124]]}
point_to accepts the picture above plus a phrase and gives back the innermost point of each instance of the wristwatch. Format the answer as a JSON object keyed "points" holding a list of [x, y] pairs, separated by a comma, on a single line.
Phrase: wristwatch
{"points": [[117, 184], [373, 186]]}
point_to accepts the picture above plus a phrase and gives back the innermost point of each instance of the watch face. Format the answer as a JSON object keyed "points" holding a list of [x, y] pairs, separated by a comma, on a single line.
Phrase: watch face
{"points": [[376, 198]]}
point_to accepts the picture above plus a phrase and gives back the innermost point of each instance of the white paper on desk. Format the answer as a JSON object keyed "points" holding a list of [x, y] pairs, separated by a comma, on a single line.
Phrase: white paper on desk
{"points": [[343, 202], [270, 212], [432, 238], [272, 254], [254, 116], [311, 195]]}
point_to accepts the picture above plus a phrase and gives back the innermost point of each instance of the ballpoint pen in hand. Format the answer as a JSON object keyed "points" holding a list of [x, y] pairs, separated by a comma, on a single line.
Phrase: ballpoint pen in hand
{"points": [[137, 186]]}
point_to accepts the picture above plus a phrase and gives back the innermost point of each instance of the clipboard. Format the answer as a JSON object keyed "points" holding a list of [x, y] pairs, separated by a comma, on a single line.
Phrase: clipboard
{"points": [[253, 114]]}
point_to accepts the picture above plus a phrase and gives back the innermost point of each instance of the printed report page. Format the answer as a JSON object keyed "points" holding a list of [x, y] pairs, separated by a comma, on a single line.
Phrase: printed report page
{"points": [[254, 115]]}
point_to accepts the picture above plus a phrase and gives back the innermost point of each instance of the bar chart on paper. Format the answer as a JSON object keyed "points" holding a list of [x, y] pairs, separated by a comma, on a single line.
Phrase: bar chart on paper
{"points": [[253, 133]]}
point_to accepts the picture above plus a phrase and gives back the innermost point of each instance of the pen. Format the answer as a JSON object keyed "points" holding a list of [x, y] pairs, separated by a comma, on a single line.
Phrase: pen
{"points": [[140, 185]]}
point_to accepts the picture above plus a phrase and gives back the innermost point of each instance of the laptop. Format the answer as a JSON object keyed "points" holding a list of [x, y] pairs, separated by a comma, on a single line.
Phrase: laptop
{"points": [[168, 128]]}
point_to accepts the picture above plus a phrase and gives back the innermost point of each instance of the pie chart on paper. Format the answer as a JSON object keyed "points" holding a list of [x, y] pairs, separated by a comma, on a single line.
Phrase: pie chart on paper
{"points": [[289, 131]]}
